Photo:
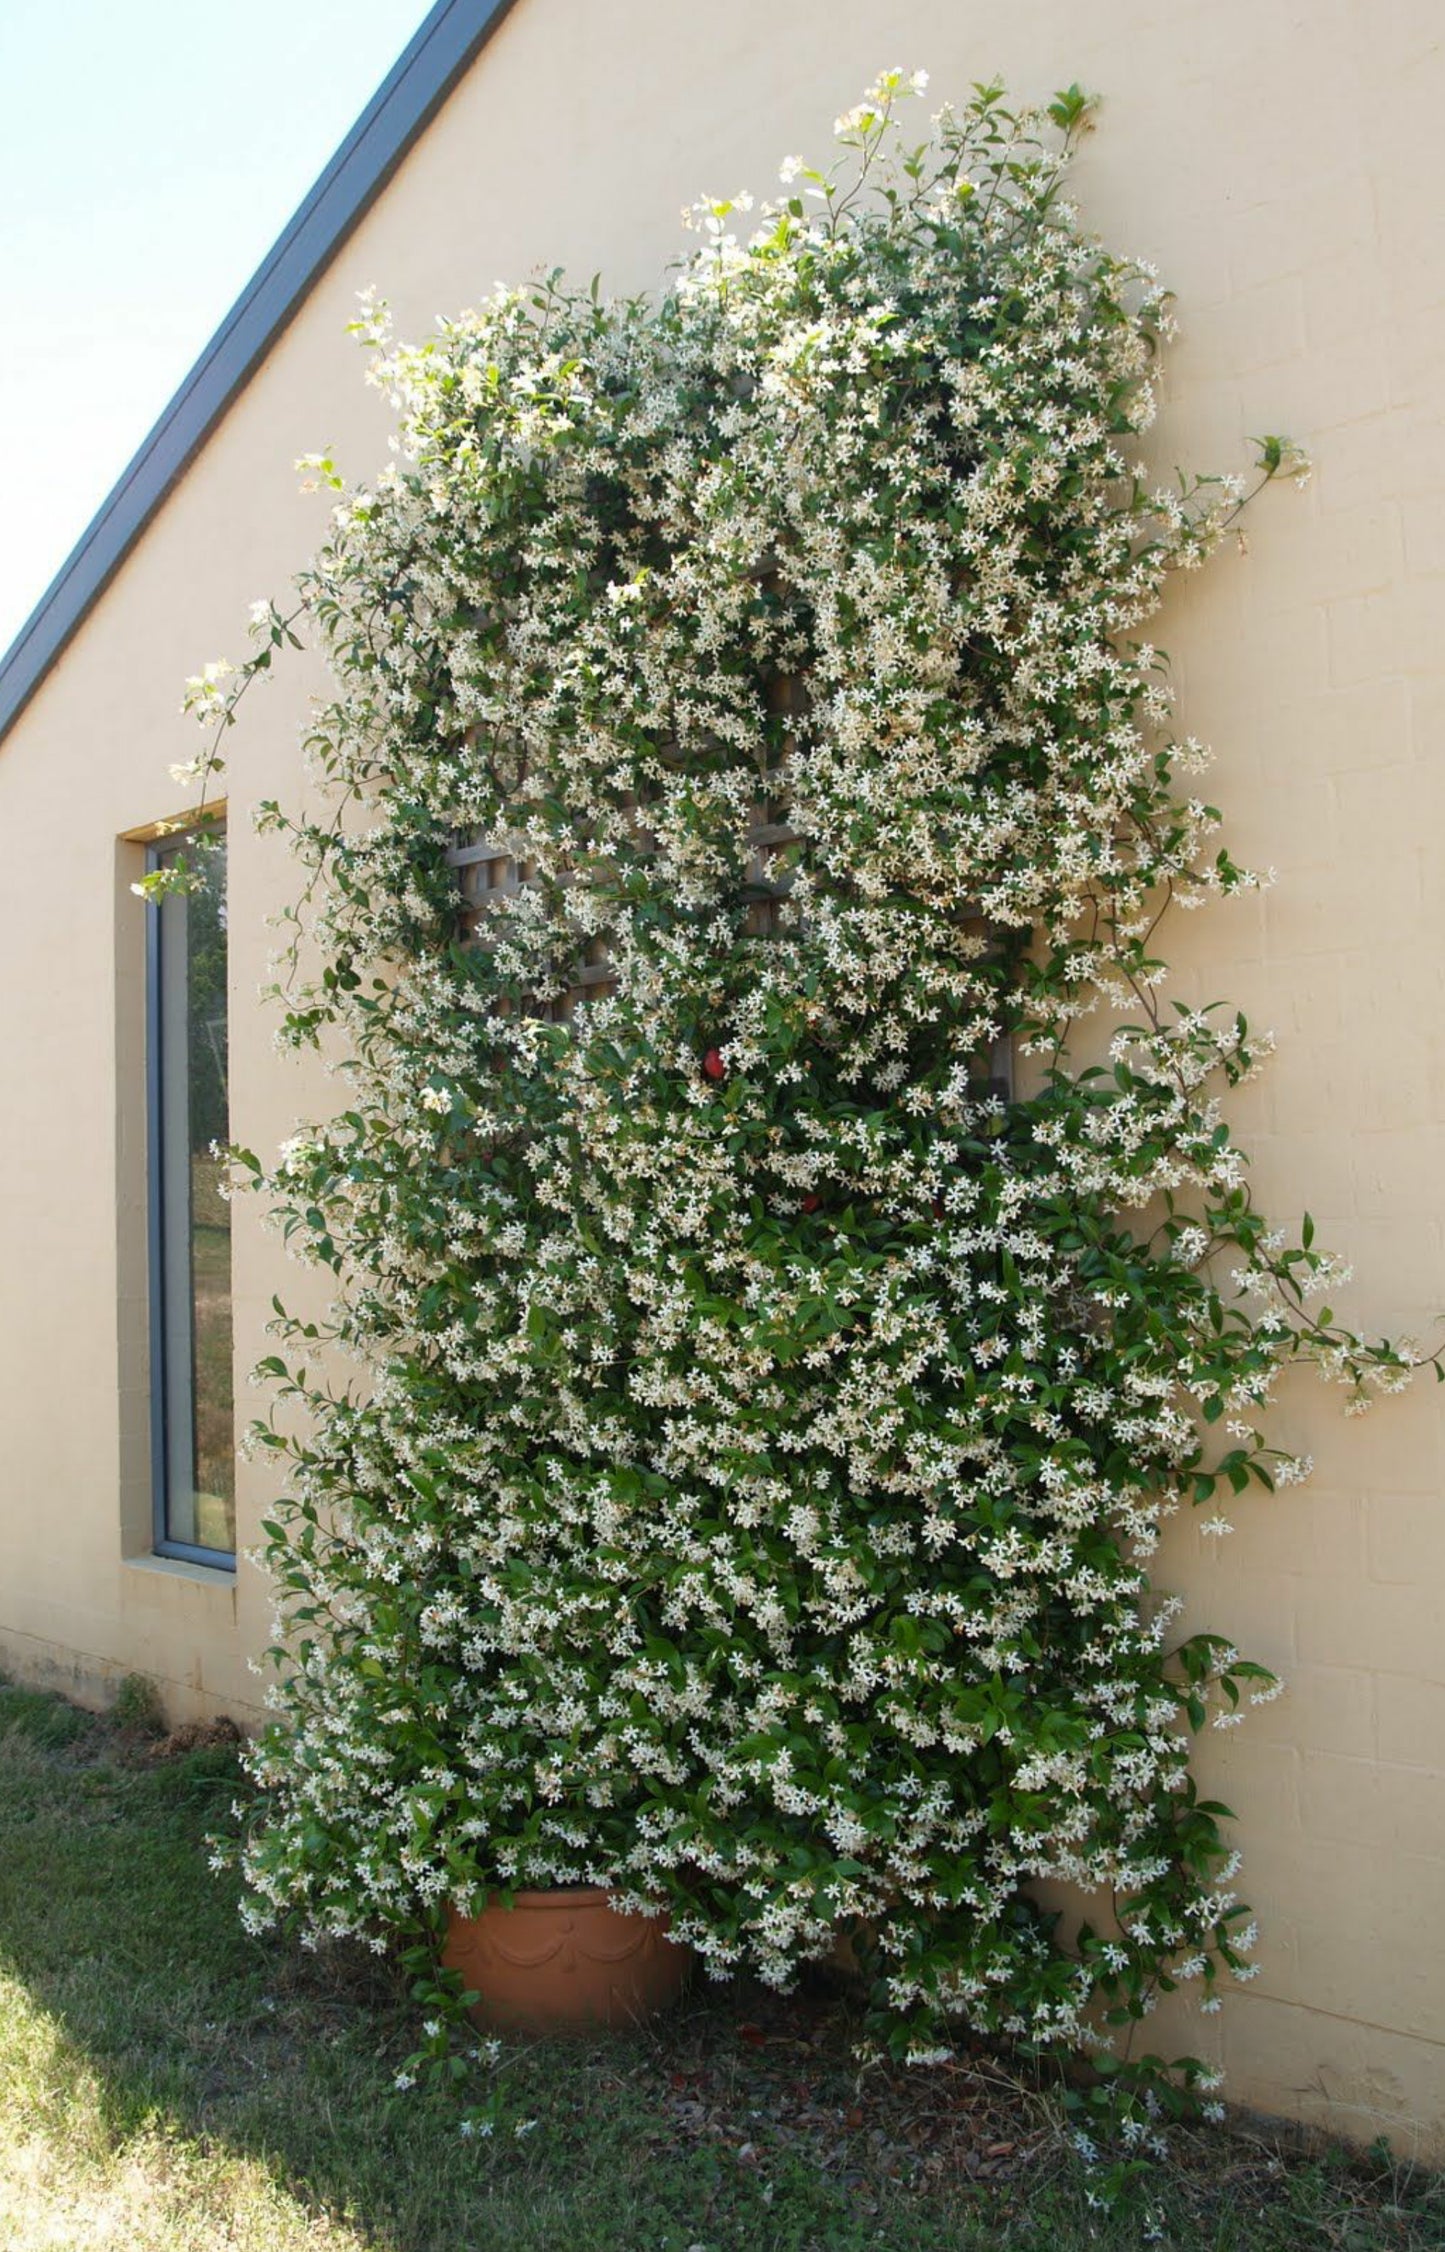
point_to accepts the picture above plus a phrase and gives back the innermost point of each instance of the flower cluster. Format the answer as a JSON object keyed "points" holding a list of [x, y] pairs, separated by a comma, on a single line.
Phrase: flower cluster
{"points": [[766, 1409]]}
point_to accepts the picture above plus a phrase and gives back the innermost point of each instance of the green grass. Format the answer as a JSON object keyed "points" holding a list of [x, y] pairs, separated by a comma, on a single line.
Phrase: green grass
{"points": [[170, 2085]]}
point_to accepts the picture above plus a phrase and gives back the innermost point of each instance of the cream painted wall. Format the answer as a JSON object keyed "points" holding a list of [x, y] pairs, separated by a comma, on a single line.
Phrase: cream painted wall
{"points": [[1281, 164]]}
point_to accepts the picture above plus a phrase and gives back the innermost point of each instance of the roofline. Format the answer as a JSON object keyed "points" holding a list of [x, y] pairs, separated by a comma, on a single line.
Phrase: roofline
{"points": [[446, 43]]}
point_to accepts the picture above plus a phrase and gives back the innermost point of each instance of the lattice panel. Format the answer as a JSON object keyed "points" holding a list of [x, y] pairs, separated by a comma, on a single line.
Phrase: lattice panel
{"points": [[487, 872]]}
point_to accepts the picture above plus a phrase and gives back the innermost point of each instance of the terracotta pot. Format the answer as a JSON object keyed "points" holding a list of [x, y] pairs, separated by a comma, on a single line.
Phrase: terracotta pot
{"points": [[564, 1959]]}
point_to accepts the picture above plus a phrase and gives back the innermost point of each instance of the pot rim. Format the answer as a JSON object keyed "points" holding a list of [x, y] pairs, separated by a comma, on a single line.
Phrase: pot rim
{"points": [[552, 1896]]}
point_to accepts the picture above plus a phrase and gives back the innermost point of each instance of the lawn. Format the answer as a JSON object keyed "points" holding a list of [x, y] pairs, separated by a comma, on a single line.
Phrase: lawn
{"points": [[171, 2085]]}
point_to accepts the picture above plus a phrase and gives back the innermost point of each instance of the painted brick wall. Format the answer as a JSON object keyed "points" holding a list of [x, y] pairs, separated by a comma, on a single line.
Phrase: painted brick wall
{"points": [[1282, 165]]}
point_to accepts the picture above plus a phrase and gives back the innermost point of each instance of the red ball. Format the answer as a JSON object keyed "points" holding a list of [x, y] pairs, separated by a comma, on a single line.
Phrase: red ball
{"points": [[713, 1064]]}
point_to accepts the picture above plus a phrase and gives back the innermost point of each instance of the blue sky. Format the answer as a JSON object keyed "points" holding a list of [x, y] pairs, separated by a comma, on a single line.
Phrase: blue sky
{"points": [[150, 153]]}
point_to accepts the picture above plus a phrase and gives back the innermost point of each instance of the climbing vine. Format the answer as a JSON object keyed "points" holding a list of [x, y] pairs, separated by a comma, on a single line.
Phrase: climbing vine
{"points": [[767, 1404]]}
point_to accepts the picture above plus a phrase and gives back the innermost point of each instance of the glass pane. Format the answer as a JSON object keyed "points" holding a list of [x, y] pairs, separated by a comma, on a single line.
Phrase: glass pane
{"points": [[195, 1217]]}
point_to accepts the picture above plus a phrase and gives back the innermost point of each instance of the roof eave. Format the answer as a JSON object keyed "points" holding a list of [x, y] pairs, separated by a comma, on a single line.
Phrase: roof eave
{"points": [[442, 50]]}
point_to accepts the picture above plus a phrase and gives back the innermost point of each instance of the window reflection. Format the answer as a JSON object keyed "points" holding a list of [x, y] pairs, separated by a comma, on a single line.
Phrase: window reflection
{"points": [[197, 1441]]}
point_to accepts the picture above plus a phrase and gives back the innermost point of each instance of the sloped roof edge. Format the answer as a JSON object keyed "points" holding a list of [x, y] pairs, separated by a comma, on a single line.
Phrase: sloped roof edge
{"points": [[398, 113]]}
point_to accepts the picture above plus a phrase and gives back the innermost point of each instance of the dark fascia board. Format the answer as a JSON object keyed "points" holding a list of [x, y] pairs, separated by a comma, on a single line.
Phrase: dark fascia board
{"points": [[447, 42]]}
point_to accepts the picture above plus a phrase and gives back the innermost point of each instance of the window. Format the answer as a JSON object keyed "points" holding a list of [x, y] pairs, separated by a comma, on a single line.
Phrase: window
{"points": [[192, 1410]]}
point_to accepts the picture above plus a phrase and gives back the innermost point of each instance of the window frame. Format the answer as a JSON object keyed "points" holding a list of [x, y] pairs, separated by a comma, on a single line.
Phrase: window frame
{"points": [[162, 1406]]}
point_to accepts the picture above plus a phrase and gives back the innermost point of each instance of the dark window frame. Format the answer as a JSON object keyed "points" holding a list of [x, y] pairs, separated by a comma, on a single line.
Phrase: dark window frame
{"points": [[162, 1406]]}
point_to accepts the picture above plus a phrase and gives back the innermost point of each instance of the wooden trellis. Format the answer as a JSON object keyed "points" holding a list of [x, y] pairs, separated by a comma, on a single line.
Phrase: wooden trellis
{"points": [[489, 872]]}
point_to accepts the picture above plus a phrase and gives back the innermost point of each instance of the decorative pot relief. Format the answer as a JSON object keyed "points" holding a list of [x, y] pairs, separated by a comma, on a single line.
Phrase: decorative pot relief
{"points": [[565, 1958]]}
